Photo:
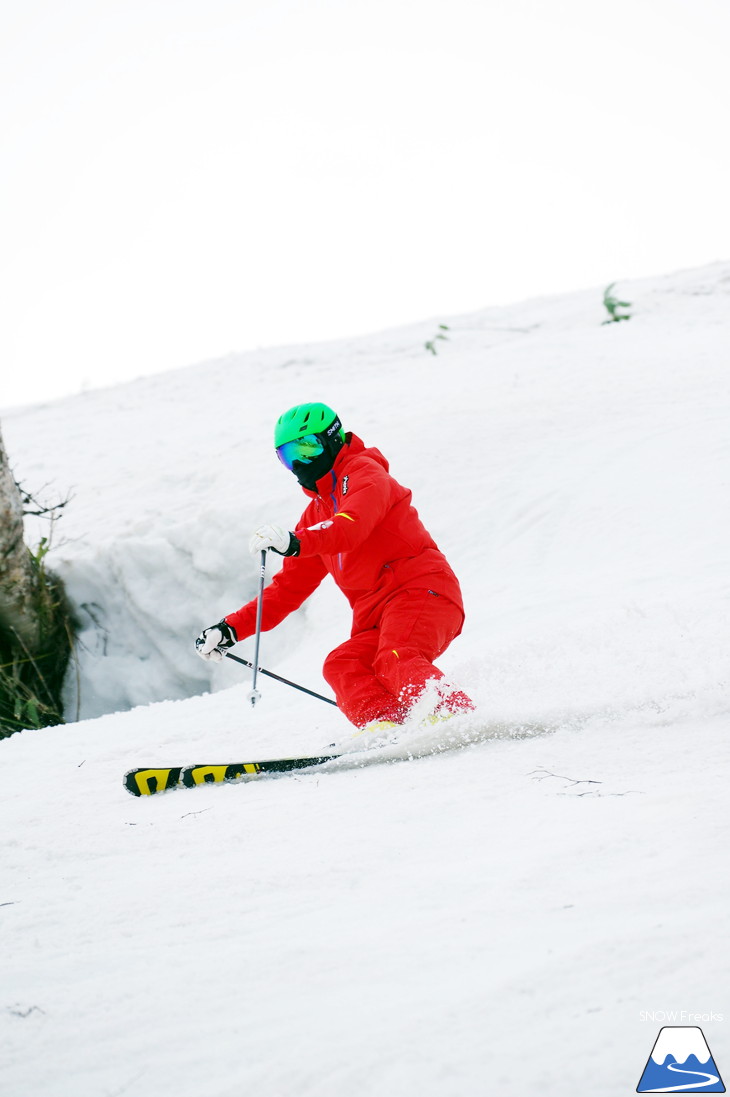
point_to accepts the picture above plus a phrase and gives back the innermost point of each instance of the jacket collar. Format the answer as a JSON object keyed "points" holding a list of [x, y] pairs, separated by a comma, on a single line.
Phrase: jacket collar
{"points": [[326, 485]]}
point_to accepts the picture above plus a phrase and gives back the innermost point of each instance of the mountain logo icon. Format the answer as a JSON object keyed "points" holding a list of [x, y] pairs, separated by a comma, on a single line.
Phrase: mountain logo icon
{"points": [[680, 1062]]}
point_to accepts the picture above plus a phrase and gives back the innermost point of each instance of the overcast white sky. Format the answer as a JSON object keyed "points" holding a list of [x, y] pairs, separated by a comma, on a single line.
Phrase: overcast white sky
{"points": [[185, 178]]}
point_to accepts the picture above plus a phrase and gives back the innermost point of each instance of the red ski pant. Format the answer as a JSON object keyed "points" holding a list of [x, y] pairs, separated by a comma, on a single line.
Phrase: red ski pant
{"points": [[379, 673]]}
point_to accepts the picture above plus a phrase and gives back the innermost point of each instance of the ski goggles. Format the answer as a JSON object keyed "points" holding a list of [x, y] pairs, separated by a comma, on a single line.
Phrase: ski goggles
{"points": [[301, 450]]}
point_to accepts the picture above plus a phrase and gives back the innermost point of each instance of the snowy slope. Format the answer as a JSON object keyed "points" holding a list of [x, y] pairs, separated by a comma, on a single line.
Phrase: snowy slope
{"points": [[471, 920]]}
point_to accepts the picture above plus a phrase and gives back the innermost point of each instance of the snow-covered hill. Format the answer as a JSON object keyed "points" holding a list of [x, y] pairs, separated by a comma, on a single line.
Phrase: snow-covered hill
{"points": [[483, 917]]}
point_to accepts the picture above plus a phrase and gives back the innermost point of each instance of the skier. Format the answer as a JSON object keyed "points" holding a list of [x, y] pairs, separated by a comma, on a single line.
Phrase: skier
{"points": [[361, 528]]}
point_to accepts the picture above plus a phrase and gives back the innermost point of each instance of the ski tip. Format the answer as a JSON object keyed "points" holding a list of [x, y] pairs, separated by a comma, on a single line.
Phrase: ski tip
{"points": [[145, 782]]}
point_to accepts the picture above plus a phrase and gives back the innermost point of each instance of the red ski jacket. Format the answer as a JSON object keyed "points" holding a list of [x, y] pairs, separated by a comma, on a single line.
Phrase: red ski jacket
{"points": [[361, 528]]}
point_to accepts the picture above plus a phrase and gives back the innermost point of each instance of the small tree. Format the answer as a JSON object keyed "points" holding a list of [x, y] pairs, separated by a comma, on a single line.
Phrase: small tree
{"points": [[430, 345], [612, 305], [35, 622]]}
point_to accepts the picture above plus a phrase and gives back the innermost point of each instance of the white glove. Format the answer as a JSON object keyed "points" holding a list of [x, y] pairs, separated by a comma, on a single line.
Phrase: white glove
{"points": [[213, 641], [273, 537]]}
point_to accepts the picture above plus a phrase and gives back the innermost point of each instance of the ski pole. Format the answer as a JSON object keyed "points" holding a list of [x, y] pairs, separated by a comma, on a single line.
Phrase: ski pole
{"points": [[278, 678], [254, 695]]}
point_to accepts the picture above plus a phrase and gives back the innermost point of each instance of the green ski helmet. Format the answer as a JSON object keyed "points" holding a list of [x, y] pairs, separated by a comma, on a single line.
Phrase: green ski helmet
{"points": [[305, 419], [308, 438]]}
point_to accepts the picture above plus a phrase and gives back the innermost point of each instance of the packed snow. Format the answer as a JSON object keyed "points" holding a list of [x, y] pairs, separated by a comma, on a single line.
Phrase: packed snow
{"points": [[489, 906]]}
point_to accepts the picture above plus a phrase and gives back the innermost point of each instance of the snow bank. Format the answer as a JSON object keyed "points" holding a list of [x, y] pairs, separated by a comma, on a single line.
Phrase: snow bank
{"points": [[574, 473]]}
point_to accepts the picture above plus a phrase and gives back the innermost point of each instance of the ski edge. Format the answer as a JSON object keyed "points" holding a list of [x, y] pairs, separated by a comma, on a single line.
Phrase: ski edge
{"points": [[149, 780]]}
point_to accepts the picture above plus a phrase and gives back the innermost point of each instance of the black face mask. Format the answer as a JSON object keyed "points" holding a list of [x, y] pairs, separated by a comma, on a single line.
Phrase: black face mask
{"points": [[310, 472]]}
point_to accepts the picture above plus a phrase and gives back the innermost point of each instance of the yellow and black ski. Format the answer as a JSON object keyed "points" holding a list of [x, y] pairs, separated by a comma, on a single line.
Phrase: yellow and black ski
{"points": [[146, 782]]}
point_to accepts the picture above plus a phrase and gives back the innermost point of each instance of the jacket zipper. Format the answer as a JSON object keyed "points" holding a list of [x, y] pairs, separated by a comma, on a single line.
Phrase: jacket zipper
{"points": [[334, 511]]}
